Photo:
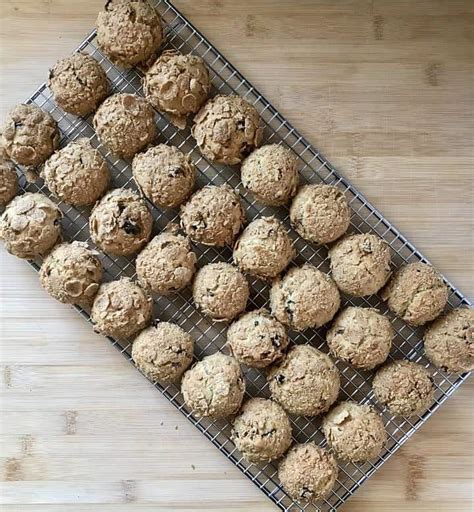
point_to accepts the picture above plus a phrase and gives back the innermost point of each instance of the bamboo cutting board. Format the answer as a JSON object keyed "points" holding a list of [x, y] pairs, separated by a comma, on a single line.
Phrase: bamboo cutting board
{"points": [[384, 89]]}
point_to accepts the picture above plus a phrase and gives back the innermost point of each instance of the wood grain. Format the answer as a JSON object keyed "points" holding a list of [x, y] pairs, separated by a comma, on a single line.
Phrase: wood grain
{"points": [[384, 89]]}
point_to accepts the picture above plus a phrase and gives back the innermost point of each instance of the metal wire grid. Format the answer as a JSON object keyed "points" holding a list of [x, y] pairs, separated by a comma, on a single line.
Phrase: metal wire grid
{"points": [[210, 337]]}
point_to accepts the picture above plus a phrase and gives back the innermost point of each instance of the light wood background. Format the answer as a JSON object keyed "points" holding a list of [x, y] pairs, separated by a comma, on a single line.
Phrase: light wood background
{"points": [[385, 90]]}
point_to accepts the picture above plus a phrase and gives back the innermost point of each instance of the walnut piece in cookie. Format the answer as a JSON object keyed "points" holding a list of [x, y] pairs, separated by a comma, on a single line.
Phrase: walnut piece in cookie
{"points": [[163, 352], [29, 135], [78, 83], [213, 216], [270, 174], [77, 174], [165, 175], [30, 226], [304, 298], [214, 387], [177, 85], [227, 129], [120, 223], [360, 264], [319, 213], [125, 124], [261, 431], [449, 341], [129, 31], [416, 293], [121, 309], [264, 249], [220, 291], [167, 264], [308, 472], [257, 339], [361, 337], [71, 273]]}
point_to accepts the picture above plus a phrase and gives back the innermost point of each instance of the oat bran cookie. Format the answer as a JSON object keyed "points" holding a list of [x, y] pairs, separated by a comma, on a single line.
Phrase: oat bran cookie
{"points": [[257, 339], [213, 216], [177, 85], [416, 293], [71, 273], [167, 264], [227, 129], [320, 213], [30, 226], [78, 83], [304, 298], [261, 431], [264, 249], [404, 387], [214, 387], [308, 472], [121, 309], [360, 264], [8, 181], [354, 432], [29, 135], [449, 341], [77, 174], [129, 31], [120, 223], [125, 124], [220, 291], [163, 352], [270, 174], [306, 382], [165, 175], [361, 337]]}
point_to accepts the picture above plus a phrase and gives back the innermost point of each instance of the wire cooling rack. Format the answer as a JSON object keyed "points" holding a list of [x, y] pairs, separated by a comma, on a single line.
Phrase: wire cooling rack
{"points": [[210, 337]]}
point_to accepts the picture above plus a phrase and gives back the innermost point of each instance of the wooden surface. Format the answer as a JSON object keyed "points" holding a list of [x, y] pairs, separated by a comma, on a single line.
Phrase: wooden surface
{"points": [[385, 91]]}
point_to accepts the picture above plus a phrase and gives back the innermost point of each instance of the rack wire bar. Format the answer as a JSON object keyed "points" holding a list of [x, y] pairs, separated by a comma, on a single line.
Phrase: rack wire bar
{"points": [[210, 337]]}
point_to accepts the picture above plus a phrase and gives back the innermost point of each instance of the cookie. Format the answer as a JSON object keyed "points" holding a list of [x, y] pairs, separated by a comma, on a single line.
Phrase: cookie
{"points": [[30, 226], [78, 83], [71, 273], [227, 129], [270, 174], [360, 264], [177, 85], [304, 298], [77, 174], [120, 223], [214, 387], [220, 291], [264, 249]]}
